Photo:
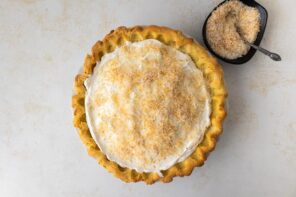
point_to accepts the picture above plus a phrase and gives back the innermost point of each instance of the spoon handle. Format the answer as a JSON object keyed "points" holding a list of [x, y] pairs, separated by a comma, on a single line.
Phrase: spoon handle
{"points": [[274, 56]]}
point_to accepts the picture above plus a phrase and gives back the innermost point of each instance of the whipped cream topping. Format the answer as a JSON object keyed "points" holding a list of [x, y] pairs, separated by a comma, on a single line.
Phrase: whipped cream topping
{"points": [[147, 106]]}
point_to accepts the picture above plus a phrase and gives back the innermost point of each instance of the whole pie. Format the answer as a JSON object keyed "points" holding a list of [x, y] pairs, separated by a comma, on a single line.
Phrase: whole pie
{"points": [[149, 104]]}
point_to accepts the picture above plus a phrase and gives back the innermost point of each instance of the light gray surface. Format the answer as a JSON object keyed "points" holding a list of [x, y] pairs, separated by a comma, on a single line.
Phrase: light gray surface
{"points": [[43, 45]]}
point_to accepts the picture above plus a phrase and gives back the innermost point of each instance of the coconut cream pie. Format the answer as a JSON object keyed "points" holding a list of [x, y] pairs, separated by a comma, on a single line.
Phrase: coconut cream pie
{"points": [[149, 103]]}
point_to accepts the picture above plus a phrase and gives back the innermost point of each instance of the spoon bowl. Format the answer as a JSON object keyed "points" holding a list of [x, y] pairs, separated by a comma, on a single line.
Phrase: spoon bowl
{"points": [[252, 51]]}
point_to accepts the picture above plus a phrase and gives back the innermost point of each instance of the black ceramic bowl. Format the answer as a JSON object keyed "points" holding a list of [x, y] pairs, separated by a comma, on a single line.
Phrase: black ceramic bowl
{"points": [[251, 52]]}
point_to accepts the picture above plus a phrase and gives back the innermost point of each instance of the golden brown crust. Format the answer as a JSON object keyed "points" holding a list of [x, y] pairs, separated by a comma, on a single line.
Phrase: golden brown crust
{"points": [[207, 64]]}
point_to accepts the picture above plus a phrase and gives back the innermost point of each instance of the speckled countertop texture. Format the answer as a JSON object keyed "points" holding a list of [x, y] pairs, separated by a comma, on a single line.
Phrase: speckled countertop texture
{"points": [[42, 47]]}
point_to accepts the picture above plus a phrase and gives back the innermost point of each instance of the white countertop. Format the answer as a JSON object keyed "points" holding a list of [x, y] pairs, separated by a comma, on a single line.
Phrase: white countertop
{"points": [[43, 45]]}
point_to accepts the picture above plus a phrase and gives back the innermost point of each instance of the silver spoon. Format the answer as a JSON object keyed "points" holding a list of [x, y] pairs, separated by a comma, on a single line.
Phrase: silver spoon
{"points": [[273, 56]]}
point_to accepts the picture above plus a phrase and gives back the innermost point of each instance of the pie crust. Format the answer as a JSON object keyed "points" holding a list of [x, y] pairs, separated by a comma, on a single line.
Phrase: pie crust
{"points": [[211, 70]]}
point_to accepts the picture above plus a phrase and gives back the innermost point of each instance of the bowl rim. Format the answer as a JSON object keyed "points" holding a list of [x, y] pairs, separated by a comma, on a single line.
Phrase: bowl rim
{"points": [[263, 23]]}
